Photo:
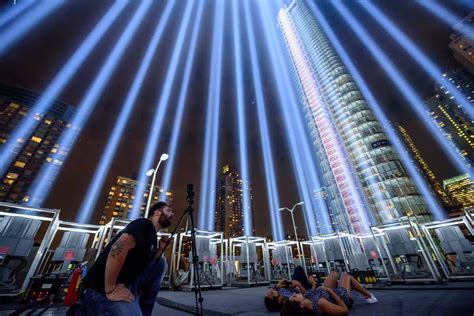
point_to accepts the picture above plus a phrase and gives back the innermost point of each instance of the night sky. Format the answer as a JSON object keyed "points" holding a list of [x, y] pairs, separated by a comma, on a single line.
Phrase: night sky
{"points": [[34, 61]]}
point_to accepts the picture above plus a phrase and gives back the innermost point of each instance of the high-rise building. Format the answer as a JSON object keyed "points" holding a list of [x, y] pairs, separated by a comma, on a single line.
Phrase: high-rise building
{"points": [[451, 118], [365, 181], [423, 166], [462, 44], [461, 190], [121, 197], [229, 212], [35, 151]]}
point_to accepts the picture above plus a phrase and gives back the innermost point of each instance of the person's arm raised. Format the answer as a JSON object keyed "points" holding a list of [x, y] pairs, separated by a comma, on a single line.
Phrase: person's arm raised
{"points": [[115, 260]]}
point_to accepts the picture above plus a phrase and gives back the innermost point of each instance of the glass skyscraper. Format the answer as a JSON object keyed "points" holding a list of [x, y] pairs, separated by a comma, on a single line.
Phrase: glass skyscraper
{"points": [[365, 181]]}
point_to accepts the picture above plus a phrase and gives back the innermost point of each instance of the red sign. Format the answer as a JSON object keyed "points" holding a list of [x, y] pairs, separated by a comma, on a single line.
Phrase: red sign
{"points": [[4, 250], [69, 255]]}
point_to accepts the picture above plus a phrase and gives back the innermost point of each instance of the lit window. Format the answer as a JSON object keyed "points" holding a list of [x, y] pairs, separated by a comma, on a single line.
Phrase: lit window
{"points": [[8, 181], [19, 164], [49, 159], [58, 162], [36, 139], [48, 122], [54, 150], [12, 175]]}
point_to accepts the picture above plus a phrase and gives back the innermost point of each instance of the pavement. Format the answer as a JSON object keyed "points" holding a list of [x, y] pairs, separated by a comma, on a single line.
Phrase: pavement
{"points": [[401, 300], [450, 299]]}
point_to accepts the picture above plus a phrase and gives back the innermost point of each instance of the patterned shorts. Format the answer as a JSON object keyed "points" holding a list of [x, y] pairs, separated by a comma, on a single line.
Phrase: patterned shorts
{"points": [[344, 296]]}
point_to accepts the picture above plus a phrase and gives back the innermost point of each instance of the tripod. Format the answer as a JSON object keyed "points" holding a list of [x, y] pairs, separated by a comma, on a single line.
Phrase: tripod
{"points": [[188, 213]]}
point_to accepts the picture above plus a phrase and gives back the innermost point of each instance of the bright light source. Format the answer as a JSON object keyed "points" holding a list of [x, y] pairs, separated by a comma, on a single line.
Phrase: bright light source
{"points": [[28, 124], [182, 100], [164, 157], [90, 199], [48, 173], [17, 29], [207, 188], [161, 107], [149, 173]]}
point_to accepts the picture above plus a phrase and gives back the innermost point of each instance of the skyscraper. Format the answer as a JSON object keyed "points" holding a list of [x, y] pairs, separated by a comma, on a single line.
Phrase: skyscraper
{"points": [[364, 178], [423, 166], [462, 44], [451, 118], [461, 190], [229, 212], [120, 199], [32, 153]]}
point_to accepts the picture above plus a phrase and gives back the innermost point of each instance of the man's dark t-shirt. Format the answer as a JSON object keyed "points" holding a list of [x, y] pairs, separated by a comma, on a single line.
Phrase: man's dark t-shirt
{"points": [[137, 258]]}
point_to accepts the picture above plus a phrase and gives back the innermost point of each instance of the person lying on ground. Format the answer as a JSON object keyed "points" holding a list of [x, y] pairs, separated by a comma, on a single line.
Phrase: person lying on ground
{"points": [[275, 296], [332, 298]]}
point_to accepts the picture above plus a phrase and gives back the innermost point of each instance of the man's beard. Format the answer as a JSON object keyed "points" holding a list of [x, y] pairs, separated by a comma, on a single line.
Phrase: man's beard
{"points": [[164, 221]]}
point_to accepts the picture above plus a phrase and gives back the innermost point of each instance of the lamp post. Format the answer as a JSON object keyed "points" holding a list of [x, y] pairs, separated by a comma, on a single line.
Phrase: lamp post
{"points": [[149, 173], [294, 225]]}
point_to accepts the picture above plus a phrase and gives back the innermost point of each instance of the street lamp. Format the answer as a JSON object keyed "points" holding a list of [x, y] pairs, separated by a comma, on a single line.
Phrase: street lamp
{"points": [[150, 173], [294, 226]]}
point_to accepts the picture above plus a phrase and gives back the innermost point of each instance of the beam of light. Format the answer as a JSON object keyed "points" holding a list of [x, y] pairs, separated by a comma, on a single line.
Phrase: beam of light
{"points": [[417, 54], [209, 161], [169, 167], [24, 129], [160, 112], [447, 17], [295, 135], [14, 11], [414, 100], [48, 173], [381, 117], [270, 179], [239, 82], [89, 202], [16, 30], [331, 143]]}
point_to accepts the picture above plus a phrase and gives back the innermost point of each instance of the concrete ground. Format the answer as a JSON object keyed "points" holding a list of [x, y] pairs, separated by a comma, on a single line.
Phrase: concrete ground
{"points": [[457, 301], [452, 299]]}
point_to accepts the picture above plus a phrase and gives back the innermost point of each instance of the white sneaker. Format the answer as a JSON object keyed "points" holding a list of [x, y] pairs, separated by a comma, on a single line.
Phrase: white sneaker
{"points": [[371, 300]]}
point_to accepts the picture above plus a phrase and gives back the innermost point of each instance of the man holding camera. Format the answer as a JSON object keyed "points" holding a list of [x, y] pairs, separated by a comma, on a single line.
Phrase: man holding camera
{"points": [[126, 277]]}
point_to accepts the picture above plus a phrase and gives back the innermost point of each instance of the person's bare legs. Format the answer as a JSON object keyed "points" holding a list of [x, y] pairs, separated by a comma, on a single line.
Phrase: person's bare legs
{"points": [[348, 282], [331, 280]]}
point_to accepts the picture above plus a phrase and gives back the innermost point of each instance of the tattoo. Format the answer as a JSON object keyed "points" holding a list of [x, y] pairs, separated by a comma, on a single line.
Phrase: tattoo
{"points": [[117, 248]]}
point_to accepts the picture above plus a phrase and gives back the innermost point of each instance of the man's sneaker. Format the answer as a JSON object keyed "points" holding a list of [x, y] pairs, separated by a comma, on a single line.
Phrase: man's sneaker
{"points": [[371, 299]]}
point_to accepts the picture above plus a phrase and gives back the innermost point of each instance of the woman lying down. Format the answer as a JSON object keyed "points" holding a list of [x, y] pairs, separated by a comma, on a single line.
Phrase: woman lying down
{"points": [[332, 298]]}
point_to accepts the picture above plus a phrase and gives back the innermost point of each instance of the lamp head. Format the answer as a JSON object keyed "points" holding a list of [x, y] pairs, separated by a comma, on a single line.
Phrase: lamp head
{"points": [[164, 157], [149, 173], [300, 203]]}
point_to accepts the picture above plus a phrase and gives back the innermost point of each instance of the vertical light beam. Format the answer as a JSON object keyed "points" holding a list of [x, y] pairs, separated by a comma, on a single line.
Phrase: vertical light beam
{"points": [[48, 173], [14, 11], [89, 202], [247, 219], [160, 112], [183, 92], [16, 30], [270, 179], [414, 100], [381, 117], [446, 16], [418, 55], [207, 188], [29, 123]]}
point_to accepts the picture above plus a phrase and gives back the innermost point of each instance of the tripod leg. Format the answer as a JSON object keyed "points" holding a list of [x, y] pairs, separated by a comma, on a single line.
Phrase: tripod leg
{"points": [[197, 281]]}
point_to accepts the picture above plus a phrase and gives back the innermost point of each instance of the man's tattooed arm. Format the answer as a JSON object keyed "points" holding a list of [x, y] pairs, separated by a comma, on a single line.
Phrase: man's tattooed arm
{"points": [[115, 260]]}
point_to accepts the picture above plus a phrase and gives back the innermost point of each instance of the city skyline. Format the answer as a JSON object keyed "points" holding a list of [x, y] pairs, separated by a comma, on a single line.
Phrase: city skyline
{"points": [[17, 70]]}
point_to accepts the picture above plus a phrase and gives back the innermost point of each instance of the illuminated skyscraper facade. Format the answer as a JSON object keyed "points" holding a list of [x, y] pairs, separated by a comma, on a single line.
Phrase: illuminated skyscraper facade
{"points": [[121, 197], [462, 44], [32, 153], [451, 118], [461, 190], [364, 178], [423, 166], [229, 212]]}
